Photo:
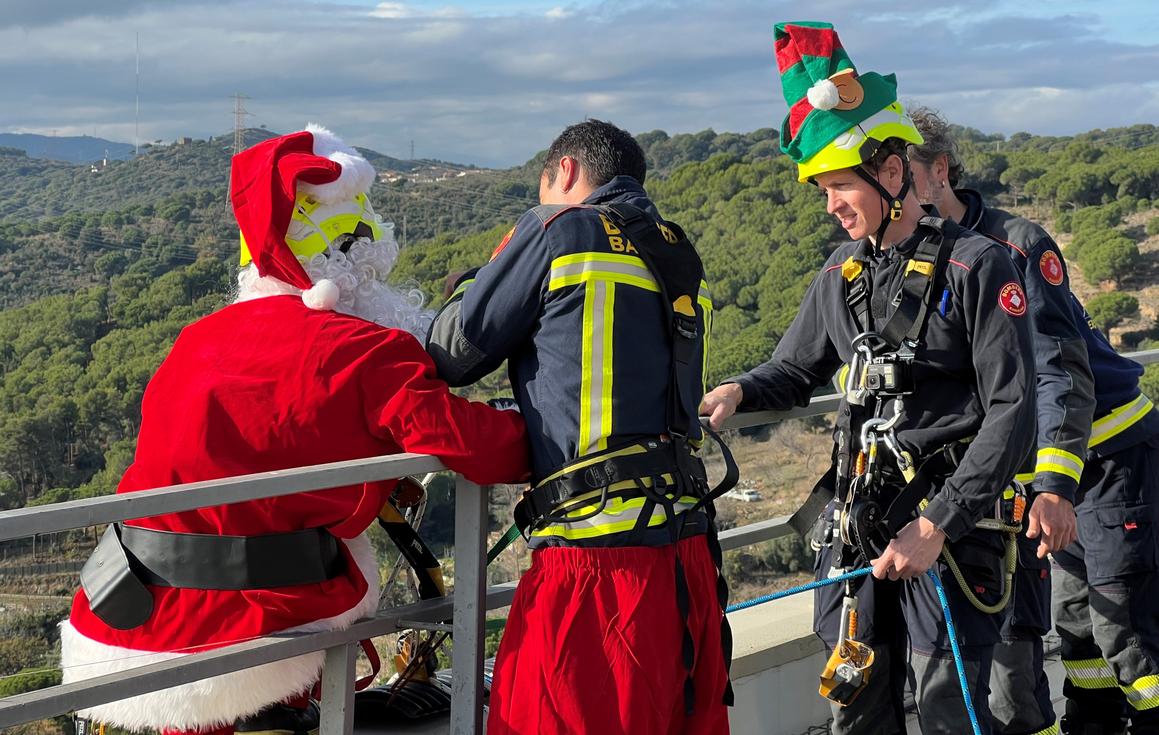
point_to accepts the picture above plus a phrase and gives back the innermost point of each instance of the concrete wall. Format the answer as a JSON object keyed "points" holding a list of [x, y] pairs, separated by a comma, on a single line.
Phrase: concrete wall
{"points": [[776, 663]]}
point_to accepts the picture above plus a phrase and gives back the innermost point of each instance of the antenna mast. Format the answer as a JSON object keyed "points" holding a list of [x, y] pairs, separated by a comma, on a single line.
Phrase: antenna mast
{"points": [[137, 100], [239, 115]]}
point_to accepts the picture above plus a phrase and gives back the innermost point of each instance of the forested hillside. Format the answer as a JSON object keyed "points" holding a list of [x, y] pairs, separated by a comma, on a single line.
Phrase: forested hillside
{"points": [[99, 271]]}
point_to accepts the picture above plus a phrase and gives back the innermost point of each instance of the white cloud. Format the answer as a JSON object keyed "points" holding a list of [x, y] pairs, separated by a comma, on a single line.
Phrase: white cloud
{"points": [[392, 10], [495, 88]]}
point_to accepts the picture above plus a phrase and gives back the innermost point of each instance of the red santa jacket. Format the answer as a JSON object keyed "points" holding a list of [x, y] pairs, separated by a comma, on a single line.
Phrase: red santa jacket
{"points": [[269, 384]]}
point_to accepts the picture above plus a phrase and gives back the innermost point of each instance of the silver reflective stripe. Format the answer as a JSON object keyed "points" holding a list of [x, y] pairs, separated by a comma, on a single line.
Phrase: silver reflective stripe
{"points": [[596, 363], [620, 267], [1092, 673], [571, 270], [1143, 693], [1120, 419]]}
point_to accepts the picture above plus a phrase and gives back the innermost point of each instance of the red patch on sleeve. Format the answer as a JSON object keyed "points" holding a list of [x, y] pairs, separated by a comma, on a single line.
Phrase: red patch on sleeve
{"points": [[1012, 299], [1051, 268], [502, 244]]}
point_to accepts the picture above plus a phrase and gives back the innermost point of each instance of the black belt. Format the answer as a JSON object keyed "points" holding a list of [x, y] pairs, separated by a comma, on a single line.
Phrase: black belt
{"points": [[128, 558], [212, 562], [657, 458]]}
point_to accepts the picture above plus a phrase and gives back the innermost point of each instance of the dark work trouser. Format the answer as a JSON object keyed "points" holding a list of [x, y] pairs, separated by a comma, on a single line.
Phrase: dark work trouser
{"points": [[1019, 690], [1106, 596], [905, 620]]}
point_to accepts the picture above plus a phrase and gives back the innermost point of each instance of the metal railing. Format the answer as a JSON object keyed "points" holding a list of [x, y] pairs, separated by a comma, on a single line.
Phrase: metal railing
{"points": [[466, 607]]}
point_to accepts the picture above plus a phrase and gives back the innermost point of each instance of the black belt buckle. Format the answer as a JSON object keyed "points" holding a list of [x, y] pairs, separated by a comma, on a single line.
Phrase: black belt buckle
{"points": [[115, 593]]}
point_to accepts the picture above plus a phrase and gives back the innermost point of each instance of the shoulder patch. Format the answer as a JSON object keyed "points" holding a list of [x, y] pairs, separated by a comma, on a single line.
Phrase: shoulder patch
{"points": [[502, 244], [1051, 268], [1012, 299]]}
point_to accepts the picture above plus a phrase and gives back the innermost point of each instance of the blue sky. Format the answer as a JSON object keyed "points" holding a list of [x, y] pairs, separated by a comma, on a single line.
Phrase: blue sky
{"points": [[492, 81]]}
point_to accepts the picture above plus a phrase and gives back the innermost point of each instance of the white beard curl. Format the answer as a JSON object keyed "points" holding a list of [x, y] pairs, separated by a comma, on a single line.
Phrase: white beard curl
{"points": [[360, 275]]}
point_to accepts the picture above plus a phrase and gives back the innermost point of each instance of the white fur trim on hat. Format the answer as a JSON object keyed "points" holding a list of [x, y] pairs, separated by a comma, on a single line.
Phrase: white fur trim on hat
{"points": [[357, 173], [217, 701], [823, 95], [322, 296]]}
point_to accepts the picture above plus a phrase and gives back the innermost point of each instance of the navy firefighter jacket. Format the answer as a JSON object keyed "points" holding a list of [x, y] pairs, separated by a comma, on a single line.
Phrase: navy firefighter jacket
{"points": [[1113, 413], [578, 316], [973, 377]]}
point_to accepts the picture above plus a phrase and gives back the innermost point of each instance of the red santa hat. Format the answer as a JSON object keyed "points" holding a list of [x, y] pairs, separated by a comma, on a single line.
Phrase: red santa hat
{"points": [[265, 182]]}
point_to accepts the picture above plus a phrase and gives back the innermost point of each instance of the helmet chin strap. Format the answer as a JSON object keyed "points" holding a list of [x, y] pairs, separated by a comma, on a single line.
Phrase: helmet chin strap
{"points": [[894, 202]]}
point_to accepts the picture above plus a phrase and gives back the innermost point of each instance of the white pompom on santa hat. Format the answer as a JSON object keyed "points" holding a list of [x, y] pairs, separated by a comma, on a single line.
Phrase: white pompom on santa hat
{"points": [[265, 181]]}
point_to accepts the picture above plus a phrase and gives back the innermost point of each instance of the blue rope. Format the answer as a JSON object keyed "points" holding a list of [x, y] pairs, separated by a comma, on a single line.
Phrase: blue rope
{"points": [[950, 630], [958, 662], [796, 590]]}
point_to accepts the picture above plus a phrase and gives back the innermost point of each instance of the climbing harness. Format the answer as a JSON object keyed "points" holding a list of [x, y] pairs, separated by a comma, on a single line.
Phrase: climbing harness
{"points": [[876, 486]]}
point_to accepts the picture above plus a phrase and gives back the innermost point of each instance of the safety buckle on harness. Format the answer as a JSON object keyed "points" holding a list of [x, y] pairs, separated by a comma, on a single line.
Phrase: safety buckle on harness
{"points": [[846, 673], [1012, 505]]}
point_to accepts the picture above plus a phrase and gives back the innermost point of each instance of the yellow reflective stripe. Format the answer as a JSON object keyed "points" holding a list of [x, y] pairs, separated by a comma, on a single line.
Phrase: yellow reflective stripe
{"points": [[1091, 673], [595, 420], [603, 525], [1049, 730], [577, 268], [1120, 419], [1025, 477], [1059, 461], [462, 287], [590, 501], [586, 374], [708, 314], [579, 464], [609, 307], [1143, 693]]}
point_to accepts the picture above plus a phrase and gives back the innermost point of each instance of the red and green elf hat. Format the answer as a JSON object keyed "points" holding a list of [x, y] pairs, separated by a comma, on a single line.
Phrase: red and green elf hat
{"points": [[825, 94]]}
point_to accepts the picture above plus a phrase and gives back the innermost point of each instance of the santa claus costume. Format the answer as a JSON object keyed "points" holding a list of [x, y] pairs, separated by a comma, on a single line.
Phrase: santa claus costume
{"points": [[289, 375]]}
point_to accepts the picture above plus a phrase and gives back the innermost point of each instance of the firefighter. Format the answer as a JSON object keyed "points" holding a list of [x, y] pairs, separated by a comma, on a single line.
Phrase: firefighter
{"points": [[599, 307], [1104, 604], [929, 322]]}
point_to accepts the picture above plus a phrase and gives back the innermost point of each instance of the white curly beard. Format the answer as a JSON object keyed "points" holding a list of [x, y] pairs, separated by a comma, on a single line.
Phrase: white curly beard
{"points": [[360, 274]]}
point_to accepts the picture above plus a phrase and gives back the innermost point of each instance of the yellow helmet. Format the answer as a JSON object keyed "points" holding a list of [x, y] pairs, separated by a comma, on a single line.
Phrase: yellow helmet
{"points": [[315, 226], [858, 144]]}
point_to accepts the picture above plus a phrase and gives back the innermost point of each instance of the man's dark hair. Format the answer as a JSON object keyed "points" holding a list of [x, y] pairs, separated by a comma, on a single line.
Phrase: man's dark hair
{"points": [[939, 140], [890, 147], [603, 150]]}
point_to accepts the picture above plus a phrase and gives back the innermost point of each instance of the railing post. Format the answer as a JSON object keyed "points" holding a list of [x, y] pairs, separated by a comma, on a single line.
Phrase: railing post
{"points": [[470, 607], [338, 690]]}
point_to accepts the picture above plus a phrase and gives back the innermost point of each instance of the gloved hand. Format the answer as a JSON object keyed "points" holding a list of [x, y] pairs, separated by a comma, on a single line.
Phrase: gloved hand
{"points": [[504, 403]]}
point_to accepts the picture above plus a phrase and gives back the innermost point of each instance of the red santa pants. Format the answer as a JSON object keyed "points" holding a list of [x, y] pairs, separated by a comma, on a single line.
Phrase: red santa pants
{"points": [[593, 645]]}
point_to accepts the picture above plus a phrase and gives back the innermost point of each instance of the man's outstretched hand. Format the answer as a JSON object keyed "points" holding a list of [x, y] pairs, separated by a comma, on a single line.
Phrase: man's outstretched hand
{"points": [[720, 403]]}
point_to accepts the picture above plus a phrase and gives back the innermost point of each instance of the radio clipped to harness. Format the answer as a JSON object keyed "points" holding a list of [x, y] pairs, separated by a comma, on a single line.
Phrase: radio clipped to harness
{"points": [[846, 673]]}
